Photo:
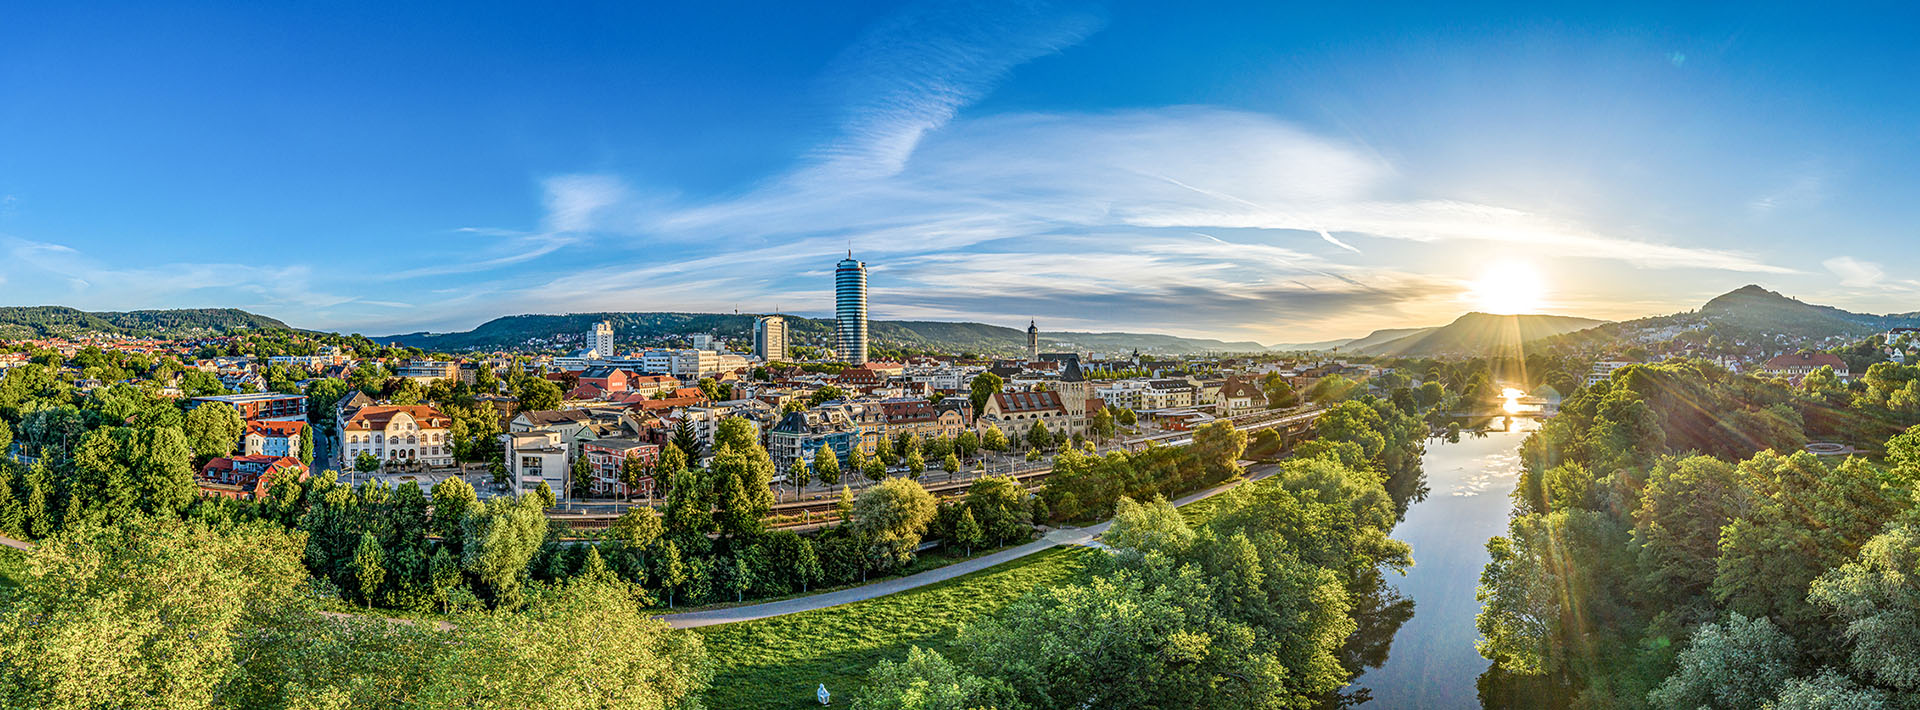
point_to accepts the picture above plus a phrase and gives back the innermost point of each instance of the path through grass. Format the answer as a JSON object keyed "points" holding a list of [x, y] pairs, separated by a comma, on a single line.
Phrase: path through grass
{"points": [[776, 663]]}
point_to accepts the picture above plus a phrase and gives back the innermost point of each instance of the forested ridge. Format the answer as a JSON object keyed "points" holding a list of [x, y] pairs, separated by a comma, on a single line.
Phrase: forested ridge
{"points": [[1673, 547]]}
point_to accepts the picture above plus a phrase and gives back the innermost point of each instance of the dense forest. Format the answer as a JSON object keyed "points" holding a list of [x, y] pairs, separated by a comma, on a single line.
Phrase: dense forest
{"points": [[1673, 547], [30, 322]]}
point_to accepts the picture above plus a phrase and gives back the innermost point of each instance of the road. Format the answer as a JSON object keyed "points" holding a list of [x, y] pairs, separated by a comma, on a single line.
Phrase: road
{"points": [[1056, 538]]}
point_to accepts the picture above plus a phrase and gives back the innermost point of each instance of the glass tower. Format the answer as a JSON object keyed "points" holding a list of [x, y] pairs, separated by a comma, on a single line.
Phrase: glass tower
{"points": [[850, 309]]}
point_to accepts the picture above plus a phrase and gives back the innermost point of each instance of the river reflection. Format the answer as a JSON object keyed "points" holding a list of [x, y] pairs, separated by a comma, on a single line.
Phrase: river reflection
{"points": [[1427, 660]]}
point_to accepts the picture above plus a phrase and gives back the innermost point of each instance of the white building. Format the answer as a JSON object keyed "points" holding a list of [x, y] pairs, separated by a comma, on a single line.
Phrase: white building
{"points": [[770, 338], [394, 434], [1603, 370], [535, 457], [603, 339], [272, 438]]}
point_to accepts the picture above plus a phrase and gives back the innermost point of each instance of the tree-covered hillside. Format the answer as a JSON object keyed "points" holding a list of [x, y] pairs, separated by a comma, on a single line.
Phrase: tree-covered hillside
{"points": [[18, 322]]}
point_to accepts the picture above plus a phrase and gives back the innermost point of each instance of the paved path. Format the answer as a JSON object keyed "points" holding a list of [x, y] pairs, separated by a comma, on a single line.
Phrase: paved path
{"points": [[1065, 536]]}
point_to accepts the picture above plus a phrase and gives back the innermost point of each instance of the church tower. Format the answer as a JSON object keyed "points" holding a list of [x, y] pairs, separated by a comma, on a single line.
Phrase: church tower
{"points": [[1033, 341]]}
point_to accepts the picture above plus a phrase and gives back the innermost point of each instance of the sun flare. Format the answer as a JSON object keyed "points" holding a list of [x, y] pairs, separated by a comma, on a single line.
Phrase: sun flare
{"points": [[1507, 288]]}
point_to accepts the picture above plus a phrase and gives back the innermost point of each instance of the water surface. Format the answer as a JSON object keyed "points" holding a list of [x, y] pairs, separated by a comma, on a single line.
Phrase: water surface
{"points": [[1432, 662]]}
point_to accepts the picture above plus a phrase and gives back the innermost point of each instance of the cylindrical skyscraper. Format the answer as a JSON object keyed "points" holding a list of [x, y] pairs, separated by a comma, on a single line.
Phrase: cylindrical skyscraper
{"points": [[850, 310]]}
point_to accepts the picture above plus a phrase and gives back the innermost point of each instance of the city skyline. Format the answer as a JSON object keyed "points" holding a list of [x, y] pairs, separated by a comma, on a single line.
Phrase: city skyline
{"points": [[1256, 173]]}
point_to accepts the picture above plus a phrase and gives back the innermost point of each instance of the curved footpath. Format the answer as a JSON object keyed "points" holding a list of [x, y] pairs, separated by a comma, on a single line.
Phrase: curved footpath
{"points": [[1065, 536]]}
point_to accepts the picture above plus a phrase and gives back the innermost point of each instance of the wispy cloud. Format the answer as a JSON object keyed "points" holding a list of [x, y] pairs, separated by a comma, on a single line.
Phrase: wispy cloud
{"points": [[1804, 187], [912, 73], [1855, 273]]}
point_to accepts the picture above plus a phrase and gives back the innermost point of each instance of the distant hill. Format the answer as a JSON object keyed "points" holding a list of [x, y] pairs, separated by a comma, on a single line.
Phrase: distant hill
{"points": [[643, 327], [1382, 337], [1749, 314], [28, 322], [1121, 342], [1472, 333], [1321, 345]]}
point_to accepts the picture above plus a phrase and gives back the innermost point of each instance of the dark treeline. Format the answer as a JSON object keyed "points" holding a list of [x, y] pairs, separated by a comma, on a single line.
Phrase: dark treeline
{"points": [[1673, 547]]}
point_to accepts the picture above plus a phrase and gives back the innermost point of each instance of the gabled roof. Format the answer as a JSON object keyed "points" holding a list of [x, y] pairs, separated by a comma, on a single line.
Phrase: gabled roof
{"points": [[1028, 401], [378, 416], [1806, 360], [275, 429]]}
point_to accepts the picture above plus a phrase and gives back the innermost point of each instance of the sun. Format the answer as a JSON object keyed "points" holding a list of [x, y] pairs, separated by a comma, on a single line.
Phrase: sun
{"points": [[1507, 288]]}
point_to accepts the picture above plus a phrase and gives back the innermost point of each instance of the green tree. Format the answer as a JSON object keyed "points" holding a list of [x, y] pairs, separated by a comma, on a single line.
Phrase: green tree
{"points": [[875, 469], [844, 506], [966, 532], [950, 464], [1218, 447], [580, 477], [1739, 664], [742, 480], [453, 499], [366, 462], [1877, 600], [689, 509], [999, 504], [891, 517], [1038, 437], [1823, 514], [306, 445], [967, 444], [537, 394], [369, 568], [670, 569], [994, 439], [826, 466], [444, 573], [686, 440], [1278, 391], [915, 464], [557, 654], [1101, 424], [824, 395], [798, 473], [119, 615], [213, 430], [633, 470], [982, 388], [926, 680], [501, 539]]}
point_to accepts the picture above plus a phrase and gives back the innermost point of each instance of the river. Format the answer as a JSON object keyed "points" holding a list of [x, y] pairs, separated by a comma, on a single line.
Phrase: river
{"points": [[1432, 662]]}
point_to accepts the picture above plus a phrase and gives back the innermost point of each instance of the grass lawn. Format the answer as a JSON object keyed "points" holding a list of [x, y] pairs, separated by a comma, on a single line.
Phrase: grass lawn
{"points": [[776, 663], [927, 561]]}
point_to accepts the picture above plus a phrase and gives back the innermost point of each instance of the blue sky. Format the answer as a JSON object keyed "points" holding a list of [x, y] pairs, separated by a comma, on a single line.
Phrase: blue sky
{"points": [[1276, 172]]}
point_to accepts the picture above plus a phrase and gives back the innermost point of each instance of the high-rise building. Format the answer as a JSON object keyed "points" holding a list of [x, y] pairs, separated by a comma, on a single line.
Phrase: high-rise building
{"points": [[702, 341], [850, 310], [770, 338], [1033, 341], [603, 339]]}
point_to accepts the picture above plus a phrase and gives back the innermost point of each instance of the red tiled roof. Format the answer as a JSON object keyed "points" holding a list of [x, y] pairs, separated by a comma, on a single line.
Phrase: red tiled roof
{"points": [[275, 430], [376, 417], [1810, 361]]}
